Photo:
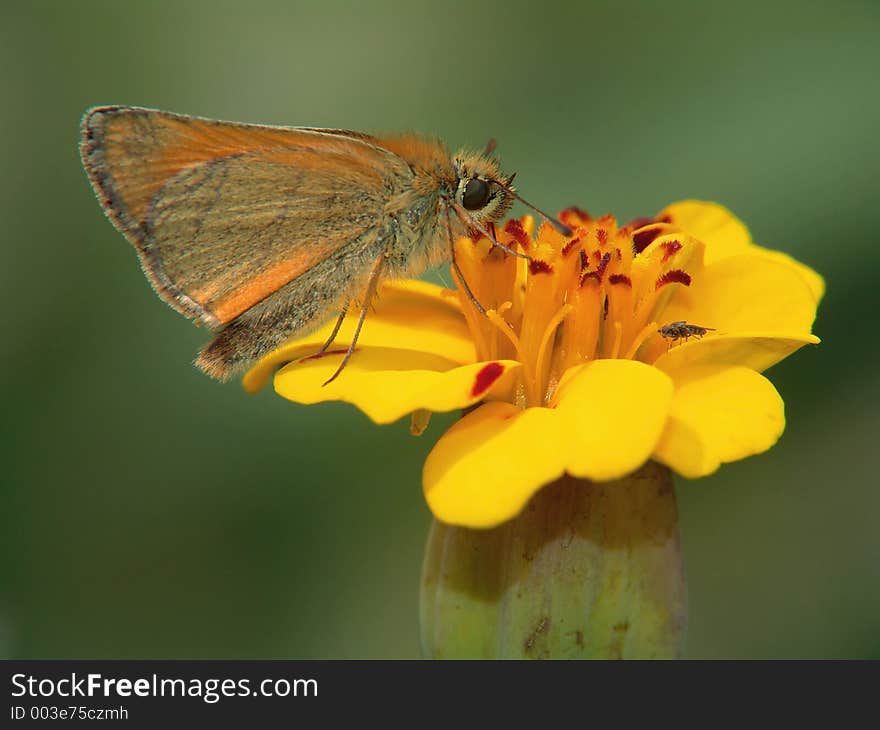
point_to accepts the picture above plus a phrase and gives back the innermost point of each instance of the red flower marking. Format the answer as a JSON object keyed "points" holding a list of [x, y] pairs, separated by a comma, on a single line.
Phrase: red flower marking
{"points": [[676, 276], [643, 239], [489, 373], [574, 215], [599, 272], [670, 248], [603, 264], [585, 262], [620, 279], [515, 229], [640, 222], [474, 235], [602, 236], [539, 267], [567, 248]]}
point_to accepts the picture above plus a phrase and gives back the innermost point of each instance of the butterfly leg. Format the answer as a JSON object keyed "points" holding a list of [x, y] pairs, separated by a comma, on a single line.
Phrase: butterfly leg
{"points": [[467, 290], [372, 284], [471, 223], [335, 331], [458, 272]]}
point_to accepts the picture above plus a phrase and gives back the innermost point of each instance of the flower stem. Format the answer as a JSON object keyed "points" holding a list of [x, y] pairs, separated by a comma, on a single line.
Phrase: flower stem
{"points": [[586, 571]]}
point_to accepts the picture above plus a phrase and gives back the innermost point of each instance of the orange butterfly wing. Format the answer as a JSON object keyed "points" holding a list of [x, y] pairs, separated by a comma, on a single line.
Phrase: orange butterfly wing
{"points": [[224, 214]]}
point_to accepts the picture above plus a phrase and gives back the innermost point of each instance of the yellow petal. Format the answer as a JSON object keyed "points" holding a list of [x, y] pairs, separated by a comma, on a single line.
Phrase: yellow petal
{"points": [[486, 467], [813, 280], [726, 235], [740, 295], [723, 233], [407, 315], [612, 413], [608, 418], [756, 351], [719, 414], [387, 384]]}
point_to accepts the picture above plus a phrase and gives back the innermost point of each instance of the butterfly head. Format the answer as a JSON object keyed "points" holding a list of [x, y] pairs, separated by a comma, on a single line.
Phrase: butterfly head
{"points": [[480, 188]]}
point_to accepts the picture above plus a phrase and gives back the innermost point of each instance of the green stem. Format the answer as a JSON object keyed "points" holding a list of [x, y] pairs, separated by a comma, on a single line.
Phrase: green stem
{"points": [[586, 571]]}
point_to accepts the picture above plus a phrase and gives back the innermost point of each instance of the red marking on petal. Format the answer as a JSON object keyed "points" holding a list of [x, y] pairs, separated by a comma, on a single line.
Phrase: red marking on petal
{"points": [[643, 239], [670, 248], [665, 219], [605, 309], [620, 279], [489, 373], [585, 262], [602, 236], [568, 247], [574, 215], [514, 228], [539, 267], [640, 222], [474, 235], [319, 355], [676, 276], [619, 254]]}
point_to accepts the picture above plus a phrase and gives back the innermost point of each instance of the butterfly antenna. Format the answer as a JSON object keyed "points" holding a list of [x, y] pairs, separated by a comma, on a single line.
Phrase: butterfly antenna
{"points": [[557, 224]]}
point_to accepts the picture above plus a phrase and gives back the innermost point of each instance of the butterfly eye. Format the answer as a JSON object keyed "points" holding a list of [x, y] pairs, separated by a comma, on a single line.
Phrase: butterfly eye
{"points": [[476, 194]]}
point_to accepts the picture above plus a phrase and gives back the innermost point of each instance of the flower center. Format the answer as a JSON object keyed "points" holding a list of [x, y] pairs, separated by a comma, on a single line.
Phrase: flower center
{"points": [[599, 293]]}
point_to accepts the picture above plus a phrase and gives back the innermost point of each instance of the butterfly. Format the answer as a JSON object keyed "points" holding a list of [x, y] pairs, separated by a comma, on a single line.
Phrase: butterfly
{"points": [[261, 233]]}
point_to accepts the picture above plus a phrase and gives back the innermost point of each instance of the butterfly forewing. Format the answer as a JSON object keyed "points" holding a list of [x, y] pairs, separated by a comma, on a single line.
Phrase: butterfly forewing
{"points": [[226, 214]]}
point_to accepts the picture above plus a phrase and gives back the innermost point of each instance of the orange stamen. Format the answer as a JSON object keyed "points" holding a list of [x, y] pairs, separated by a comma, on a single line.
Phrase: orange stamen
{"points": [[549, 332], [643, 335]]}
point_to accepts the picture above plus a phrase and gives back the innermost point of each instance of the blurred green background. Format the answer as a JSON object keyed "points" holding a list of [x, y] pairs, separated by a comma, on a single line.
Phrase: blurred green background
{"points": [[149, 512]]}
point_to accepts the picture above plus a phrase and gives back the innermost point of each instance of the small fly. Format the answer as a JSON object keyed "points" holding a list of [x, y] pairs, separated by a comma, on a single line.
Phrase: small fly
{"points": [[681, 330]]}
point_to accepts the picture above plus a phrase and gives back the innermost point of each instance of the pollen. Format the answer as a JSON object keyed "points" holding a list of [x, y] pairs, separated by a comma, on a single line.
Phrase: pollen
{"points": [[597, 293]]}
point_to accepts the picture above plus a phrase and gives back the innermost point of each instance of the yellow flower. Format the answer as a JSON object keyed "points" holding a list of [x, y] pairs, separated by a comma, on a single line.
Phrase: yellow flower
{"points": [[574, 368]]}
